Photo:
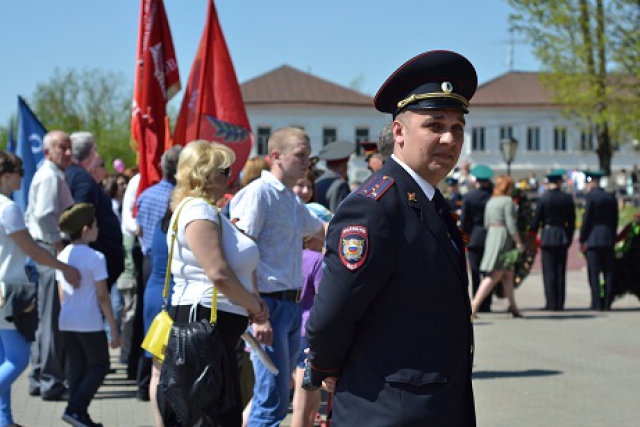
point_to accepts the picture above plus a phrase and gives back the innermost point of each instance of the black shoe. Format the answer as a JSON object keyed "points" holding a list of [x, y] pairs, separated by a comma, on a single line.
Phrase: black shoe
{"points": [[142, 395], [34, 392], [64, 396], [79, 420]]}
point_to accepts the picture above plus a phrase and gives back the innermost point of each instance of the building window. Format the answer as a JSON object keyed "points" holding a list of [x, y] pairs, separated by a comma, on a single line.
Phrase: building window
{"points": [[560, 139], [506, 132], [261, 141], [329, 135], [533, 139], [586, 140], [362, 134], [477, 139]]}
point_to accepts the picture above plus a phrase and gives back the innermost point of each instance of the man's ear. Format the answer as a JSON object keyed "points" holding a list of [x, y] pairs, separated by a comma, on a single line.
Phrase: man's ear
{"points": [[275, 156], [398, 130]]}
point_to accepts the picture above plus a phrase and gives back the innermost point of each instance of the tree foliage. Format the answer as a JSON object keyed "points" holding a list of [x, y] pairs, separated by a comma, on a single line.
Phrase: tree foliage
{"points": [[590, 51], [91, 100]]}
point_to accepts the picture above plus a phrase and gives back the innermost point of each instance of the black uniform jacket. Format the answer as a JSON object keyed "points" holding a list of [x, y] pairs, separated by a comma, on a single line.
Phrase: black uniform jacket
{"points": [[472, 216], [392, 316], [600, 220], [556, 212]]}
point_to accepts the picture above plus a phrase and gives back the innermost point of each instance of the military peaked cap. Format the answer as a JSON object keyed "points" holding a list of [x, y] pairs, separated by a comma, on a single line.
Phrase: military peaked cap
{"points": [[438, 79]]}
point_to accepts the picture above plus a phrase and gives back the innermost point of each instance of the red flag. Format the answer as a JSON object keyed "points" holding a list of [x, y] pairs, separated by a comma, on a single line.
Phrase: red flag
{"points": [[156, 81], [212, 107]]}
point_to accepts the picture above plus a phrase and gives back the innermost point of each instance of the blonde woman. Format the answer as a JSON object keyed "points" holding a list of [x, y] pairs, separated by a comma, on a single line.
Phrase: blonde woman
{"points": [[502, 238], [208, 252]]}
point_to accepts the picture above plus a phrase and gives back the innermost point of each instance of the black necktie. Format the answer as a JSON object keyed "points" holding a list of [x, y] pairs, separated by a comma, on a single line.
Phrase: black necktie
{"points": [[443, 210]]}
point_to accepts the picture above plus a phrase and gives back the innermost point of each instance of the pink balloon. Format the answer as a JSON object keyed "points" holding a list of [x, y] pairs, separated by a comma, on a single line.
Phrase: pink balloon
{"points": [[118, 165]]}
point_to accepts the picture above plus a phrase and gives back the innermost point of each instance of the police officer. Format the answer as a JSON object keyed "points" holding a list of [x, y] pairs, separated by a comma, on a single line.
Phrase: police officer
{"points": [[332, 186], [556, 213], [472, 223], [390, 327], [597, 238]]}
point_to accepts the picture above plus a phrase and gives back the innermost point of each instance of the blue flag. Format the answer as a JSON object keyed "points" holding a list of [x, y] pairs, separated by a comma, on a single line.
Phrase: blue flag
{"points": [[29, 148], [11, 144]]}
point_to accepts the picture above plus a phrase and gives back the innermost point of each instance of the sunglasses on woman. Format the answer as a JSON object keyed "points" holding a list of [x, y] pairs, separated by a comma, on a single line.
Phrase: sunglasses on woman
{"points": [[226, 172]]}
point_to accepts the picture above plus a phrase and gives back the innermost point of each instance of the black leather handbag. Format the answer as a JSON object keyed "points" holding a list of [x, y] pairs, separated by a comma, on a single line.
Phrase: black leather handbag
{"points": [[195, 383]]}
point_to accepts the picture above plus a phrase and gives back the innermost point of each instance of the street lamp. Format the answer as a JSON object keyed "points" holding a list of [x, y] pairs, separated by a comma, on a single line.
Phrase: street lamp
{"points": [[508, 148]]}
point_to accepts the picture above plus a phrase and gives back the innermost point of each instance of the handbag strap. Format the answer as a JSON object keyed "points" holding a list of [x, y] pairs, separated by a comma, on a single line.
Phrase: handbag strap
{"points": [[167, 276]]}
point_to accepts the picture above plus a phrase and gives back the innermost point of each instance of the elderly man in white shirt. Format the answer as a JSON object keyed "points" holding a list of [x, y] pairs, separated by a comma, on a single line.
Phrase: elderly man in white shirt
{"points": [[49, 196]]}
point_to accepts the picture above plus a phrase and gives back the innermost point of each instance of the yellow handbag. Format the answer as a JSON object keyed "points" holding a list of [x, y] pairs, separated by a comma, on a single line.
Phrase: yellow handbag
{"points": [[157, 338]]}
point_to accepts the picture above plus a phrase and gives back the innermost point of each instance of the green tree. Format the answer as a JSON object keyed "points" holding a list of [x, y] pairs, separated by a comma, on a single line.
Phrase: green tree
{"points": [[4, 137], [582, 47], [91, 100]]}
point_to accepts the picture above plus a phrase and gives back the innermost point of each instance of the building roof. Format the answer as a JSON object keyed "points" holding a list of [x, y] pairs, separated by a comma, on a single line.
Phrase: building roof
{"points": [[287, 86], [516, 89]]}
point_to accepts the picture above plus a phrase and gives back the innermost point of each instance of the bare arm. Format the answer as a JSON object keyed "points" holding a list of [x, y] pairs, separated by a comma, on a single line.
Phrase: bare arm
{"points": [[60, 291], [24, 240], [204, 240], [104, 300]]}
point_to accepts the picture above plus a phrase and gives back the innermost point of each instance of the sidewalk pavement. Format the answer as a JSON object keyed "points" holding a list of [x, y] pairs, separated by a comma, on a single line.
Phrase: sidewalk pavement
{"points": [[573, 368]]}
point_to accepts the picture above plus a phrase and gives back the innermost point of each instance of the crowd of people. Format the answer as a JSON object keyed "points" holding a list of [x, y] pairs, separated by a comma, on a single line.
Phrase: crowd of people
{"points": [[362, 291]]}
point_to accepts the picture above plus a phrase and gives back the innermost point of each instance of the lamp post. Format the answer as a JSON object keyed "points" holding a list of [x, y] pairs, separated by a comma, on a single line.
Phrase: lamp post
{"points": [[508, 148]]}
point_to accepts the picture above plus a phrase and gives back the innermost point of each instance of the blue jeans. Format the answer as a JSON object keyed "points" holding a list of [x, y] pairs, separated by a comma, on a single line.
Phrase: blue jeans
{"points": [[14, 359], [271, 392], [117, 303]]}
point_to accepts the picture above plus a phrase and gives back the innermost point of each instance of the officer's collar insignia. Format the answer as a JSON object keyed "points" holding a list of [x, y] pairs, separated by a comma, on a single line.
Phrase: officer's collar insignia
{"points": [[446, 87], [412, 197], [354, 246]]}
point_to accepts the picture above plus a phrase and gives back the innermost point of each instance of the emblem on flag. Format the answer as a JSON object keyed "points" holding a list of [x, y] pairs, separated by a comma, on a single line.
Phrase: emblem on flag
{"points": [[354, 246], [228, 132]]}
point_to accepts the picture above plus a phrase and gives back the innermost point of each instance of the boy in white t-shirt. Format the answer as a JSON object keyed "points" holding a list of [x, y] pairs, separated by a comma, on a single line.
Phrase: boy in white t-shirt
{"points": [[81, 314]]}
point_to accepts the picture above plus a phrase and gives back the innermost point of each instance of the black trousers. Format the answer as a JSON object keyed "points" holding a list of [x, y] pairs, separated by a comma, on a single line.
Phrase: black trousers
{"points": [[554, 275], [230, 326], [143, 374], [475, 258], [137, 328], [87, 365], [601, 261]]}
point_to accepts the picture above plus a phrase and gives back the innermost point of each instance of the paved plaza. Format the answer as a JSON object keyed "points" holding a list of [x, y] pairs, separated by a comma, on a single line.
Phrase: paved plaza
{"points": [[574, 368]]}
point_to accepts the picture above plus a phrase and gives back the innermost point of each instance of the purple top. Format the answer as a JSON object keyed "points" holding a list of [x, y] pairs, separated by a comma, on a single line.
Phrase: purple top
{"points": [[311, 273]]}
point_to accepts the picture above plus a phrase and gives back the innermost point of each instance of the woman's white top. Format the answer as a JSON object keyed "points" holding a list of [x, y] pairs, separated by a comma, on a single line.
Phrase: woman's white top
{"points": [[12, 258], [191, 285]]}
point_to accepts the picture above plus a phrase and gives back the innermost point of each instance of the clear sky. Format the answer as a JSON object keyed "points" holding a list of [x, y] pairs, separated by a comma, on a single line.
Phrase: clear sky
{"points": [[342, 41]]}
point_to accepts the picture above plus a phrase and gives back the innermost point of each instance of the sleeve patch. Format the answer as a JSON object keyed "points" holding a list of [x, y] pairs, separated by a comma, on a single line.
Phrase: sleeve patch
{"points": [[354, 246]]}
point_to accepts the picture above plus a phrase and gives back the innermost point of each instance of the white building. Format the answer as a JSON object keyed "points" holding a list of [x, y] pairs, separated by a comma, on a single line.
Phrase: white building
{"points": [[512, 105]]}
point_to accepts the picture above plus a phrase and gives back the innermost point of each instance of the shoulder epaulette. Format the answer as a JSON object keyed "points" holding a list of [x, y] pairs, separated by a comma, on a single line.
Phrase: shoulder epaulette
{"points": [[376, 186]]}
